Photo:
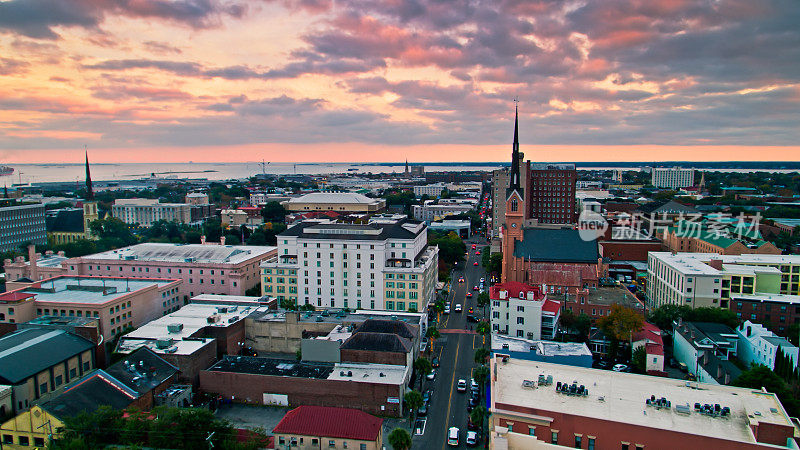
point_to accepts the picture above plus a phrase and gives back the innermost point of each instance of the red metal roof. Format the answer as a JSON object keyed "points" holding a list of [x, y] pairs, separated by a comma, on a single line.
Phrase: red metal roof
{"points": [[551, 306], [15, 296], [653, 349], [514, 288], [327, 421]]}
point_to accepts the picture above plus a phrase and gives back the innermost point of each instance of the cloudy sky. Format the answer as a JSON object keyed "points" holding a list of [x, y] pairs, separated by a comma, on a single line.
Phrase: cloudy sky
{"points": [[385, 80]]}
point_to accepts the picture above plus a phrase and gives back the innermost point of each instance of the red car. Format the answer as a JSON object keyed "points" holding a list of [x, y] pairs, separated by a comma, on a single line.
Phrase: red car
{"points": [[475, 263], [471, 310], [474, 246], [469, 294], [478, 252]]}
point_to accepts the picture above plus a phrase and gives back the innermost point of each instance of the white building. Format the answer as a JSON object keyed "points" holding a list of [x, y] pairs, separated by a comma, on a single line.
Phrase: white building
{"points": [[672, 177], [430, 211], [758, 345], [348, 202], [385, 264], [431, 190], [145, 211], [523, 311]]}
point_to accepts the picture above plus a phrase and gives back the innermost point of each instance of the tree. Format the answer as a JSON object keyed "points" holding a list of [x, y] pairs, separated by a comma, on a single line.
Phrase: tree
{"points": [[432, 333], [621, 323], [273, 212], [423, 367], [400, 439], [483, 329], [477, 415], [663, 316], [480, 355], [481, 376], [758, 376], [482, 300], [451, 247], [413, 401], [639, 360]]}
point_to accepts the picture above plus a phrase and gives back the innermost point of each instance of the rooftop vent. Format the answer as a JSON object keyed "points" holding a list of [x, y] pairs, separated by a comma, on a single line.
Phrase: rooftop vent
{"points": [[175, 327], [164, 343]]}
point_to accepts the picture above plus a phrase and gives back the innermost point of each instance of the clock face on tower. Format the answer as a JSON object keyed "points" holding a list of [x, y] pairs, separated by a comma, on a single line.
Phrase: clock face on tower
{"points": [[513, 225]]}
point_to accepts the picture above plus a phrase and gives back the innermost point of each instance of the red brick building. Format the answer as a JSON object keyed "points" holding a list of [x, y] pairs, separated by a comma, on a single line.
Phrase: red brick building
{"points": [[325, 427], [605, 410]]}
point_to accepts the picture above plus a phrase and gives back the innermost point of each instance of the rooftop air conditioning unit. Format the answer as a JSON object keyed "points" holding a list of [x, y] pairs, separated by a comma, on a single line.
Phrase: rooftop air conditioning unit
{"points": [[164, 343], [175, 327]]}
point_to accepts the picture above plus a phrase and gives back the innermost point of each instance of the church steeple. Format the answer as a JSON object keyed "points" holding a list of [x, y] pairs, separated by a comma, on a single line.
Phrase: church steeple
{"points": [[514, 177], [89, 191]]}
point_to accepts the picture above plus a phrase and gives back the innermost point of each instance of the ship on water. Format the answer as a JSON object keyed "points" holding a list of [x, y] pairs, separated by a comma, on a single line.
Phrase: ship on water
{"points": [[6, 170]]}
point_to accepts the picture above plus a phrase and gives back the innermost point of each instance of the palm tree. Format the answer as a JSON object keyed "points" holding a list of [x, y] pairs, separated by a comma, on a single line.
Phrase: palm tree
{"points": [[482, 301], [432, 334], [481, 376], [483, 329], [423, 367], [413, 402], [480, 355], [477, 415], [400, 439]]}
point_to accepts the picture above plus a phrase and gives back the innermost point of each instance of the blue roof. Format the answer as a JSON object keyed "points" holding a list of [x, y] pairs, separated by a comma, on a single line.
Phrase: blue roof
{"points": [[24, 353], [556, 245]]}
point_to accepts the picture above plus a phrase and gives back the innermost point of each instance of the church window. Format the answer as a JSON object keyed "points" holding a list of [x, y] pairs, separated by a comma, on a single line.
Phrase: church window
{"points": [[514, 205]]}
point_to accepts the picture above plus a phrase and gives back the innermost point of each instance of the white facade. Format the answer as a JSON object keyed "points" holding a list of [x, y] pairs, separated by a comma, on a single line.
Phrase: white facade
{"points": [[430, 211], [758, 345], [682, 279], [145, 211], [672, 178], [521, 314], [431, 190], [377, 266]]}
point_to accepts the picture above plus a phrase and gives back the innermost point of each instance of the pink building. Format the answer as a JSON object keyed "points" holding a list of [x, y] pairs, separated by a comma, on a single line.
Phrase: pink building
{"points": [[48, 266], [116, 302], [203, 268]]}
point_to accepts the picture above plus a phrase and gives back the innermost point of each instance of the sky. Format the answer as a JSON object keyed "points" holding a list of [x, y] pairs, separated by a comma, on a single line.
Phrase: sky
{"points": [[389, 80]]}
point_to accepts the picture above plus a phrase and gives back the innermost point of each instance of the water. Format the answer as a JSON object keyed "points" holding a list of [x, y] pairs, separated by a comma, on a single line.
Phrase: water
{"points": [[46, 173]]}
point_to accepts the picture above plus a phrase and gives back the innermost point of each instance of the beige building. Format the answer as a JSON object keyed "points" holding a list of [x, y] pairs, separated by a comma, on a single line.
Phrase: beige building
{"points": [[316, 427], [335, 201], [146, 211], [38, 363]]}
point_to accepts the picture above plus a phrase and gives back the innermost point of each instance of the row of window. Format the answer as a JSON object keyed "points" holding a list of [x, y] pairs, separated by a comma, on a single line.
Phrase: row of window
{"points": [[293, 442], [23, 441]]}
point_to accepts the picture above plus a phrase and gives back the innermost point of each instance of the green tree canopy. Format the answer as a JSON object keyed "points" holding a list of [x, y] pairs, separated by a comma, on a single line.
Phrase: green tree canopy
{"points": [[621, 323], [400, 439]]}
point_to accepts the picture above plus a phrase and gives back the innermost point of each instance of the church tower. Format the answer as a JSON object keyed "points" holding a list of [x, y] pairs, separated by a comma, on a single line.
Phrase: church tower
{"points": [[90, 213], [515, 207]]}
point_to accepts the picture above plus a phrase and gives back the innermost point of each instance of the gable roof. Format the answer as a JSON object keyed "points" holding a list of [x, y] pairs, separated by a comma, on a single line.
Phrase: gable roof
{"points": [[332, 422], [555, 245], [377, 342], [90, 393], [397, 327], [29, 351], [670, 206]]}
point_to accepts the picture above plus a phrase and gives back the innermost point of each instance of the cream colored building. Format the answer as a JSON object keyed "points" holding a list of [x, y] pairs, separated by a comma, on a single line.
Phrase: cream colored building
{"points": [[146, 211], [385, 264], [335, 201], [30, 429]]}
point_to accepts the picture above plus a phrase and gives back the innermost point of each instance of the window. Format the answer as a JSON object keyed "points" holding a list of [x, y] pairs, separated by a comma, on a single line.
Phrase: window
{"points": [[332, 443], [59, 380], [8, 439], [43, 388], [24, 441], [520, 321], [38, 442], [554, 437], [591, 444], [578, 441]]}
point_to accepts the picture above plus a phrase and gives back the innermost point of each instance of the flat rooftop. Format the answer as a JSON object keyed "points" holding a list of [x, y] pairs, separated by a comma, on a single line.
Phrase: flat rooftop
{"points": [[182, 253], [612, 296], [364, 373], [334, 317], [757, 297], [620, 397], [90, 290], [178, 346], [544, 348], [192, 318], [689, 263]]}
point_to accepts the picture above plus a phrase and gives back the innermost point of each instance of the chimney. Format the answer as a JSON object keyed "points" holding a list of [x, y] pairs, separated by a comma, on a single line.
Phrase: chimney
{"points": [[203, 239], [33, 257], [716, 263], [222, 240]]}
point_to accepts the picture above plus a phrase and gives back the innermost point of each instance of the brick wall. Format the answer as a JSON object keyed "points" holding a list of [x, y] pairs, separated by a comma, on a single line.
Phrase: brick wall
{"points": [[250, 388], [628, 250], [368, 356], [191, 365]]}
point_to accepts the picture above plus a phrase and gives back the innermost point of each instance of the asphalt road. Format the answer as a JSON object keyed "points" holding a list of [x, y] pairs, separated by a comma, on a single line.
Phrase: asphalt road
{"points": [[456, 352]]}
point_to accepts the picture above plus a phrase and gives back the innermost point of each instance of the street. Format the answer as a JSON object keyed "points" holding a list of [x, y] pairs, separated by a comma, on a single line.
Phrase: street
{"points": [[456, 351]]}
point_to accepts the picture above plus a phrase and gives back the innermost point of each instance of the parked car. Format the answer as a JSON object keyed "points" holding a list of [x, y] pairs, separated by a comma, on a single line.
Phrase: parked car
{"points": [[458, 307], [431, 375], [472, 318], [446, 309], [422, 410], [470, 310], [472, 438], [474, 246], [478, 252], [470, 424], [461, 386], [469, 294], [435, 362], [475, 263], [426, 396], [461, 279], [620, 368]]}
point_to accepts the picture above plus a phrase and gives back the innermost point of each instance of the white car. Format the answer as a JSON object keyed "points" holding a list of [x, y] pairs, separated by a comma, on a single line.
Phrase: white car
{"points": [[431, 375], [462, 385], [452, 437], [446, 309], [458, 307], [472, 438], [619, 368]]}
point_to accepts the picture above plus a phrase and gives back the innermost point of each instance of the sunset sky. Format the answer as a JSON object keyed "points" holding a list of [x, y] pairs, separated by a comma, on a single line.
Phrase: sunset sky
{"points": [[386, 80]]}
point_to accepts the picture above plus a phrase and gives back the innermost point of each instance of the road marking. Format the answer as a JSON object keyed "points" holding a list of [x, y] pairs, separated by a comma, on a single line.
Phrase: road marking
{"points": [[450, 398]]}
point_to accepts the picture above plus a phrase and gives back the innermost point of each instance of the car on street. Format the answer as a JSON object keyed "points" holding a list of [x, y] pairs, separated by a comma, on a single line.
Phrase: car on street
{"points": [[475, 288], [435, 362], [446, 309], [475, 263], [473, 385], [620, 368], [462, 385], [431, 375], [426, 396], [483, 280], [458, 307], [472, 318], [474, 246], [460, 279], [469, 294], [452, 436], [472, 438], [471, 310], [422, 410], [478, 252], [601, 364], [423, 344]]}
